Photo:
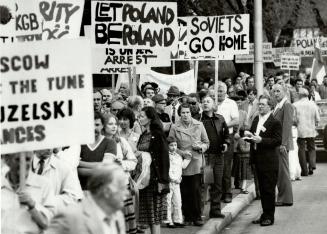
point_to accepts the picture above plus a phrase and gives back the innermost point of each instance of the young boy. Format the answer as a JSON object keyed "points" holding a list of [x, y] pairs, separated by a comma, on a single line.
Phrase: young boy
{"points": [[174, 200]]}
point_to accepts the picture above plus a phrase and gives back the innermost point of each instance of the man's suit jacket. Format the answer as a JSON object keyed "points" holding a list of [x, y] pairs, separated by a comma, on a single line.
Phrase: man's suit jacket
{"points": [[285, 116], [264, 154], [81, 219]]}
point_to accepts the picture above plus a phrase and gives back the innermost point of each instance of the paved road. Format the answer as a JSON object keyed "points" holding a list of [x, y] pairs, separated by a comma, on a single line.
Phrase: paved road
{"points": [[308, 215]]}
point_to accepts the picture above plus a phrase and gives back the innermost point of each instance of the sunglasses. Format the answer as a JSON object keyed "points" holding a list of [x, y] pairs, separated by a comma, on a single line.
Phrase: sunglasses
{"points": [[192, 103]]}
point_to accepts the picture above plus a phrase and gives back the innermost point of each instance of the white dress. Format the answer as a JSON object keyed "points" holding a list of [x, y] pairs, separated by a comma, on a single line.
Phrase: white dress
{"points": [[294, 164]]}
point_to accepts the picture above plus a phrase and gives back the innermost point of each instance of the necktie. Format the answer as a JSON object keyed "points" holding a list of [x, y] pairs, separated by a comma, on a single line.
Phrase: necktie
{"points": [[174, 114], [41, 167]]}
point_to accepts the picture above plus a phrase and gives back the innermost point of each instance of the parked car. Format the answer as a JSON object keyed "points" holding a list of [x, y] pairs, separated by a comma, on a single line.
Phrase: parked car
{"points": [[321, 139]]}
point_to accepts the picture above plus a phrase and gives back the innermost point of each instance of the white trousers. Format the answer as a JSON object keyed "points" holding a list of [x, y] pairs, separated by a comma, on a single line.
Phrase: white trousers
{"points": [[174, 204]]}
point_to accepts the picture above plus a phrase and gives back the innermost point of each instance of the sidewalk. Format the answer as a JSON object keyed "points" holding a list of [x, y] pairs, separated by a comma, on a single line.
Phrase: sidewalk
{"points": [[231, 210]]}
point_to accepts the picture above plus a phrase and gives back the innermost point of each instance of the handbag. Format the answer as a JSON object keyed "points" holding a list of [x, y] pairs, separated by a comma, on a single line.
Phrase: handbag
{"points": [[207, 172], [243, 146]]}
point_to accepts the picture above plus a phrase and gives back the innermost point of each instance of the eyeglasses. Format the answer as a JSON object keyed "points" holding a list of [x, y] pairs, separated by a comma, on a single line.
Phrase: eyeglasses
{"points": [[164, 103], [192, 103]]}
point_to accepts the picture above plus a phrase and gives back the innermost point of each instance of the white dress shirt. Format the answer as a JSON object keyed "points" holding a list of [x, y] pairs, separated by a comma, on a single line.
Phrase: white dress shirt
{"points": [[63, 180], [262, 120], [229, 110]]}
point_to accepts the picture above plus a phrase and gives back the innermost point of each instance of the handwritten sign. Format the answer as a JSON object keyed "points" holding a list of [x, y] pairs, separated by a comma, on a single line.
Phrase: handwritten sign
{"points": [[279, 51], [249, 58], [218, 35], [46, 94], [132, 34], [306, 46], [20, 20], [134, 24], [182, 52], [290, 62], [61, 18]]}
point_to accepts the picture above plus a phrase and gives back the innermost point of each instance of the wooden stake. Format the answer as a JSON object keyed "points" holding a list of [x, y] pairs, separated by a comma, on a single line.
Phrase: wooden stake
{"points": [[22, 169], [216, 80], [196, 72]]}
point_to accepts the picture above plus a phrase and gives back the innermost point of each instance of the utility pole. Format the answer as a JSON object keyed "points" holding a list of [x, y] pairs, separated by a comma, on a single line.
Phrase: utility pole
{"points": [[258, 60]]}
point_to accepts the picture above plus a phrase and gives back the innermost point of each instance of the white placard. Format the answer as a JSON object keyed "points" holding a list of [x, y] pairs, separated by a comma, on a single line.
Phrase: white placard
{"points": [[47, 96], [267, 54], [290, 62], [217, 35]]}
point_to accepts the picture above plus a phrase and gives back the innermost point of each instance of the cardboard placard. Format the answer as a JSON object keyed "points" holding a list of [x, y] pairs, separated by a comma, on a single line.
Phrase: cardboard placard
{"points": [[306, 46], [279, 51], [217, 35], [61, 18], [267, 53], [132, 34], [47, 96], [20, 20], [182, 52], [290, 62]]}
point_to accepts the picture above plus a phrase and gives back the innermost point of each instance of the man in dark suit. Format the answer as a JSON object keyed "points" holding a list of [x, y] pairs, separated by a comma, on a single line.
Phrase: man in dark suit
{"points": [[265, 136], [284, 112]]}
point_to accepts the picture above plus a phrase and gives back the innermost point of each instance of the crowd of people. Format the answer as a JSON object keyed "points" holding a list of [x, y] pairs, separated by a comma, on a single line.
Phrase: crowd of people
{"points": [[155, 155]]}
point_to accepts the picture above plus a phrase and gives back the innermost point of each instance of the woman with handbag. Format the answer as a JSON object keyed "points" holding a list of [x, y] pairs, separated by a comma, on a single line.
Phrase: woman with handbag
{"points": [[241, 167], [126, 158], [153, 202], [192, 140]]}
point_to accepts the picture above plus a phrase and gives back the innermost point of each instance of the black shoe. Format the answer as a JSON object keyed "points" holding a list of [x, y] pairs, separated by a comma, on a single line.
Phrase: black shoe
{"points": [[169, 225], [304, 174], [198, 223], [311, 172], [227, 200], [283, 204], [266, 222], [216, 215], [179, 225], [139, 230], [258, 221]]}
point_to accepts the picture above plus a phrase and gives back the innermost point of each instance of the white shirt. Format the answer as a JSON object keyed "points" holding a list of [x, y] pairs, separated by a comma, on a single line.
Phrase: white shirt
{"points": [[176, 166], [262, 120], [229, 110], [63, 180], [306, 117], [15, 218]]}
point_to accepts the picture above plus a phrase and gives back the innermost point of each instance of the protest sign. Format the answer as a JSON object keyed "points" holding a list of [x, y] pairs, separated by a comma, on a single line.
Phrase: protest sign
{"points": [[217, 35], [306, 46], [134, 24], [279, 51], [249, 58], [20, 20], [61, 18], [128, 34], [182, 51], [290, 62], [46, 94], [185, 81]]}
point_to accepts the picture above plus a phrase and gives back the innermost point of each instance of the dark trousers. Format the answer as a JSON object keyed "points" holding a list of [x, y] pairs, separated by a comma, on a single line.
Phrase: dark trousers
{"points": [[267, 184], [217, 163], [191, 197], [310, 142], [256, 182], [227, 172]]}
